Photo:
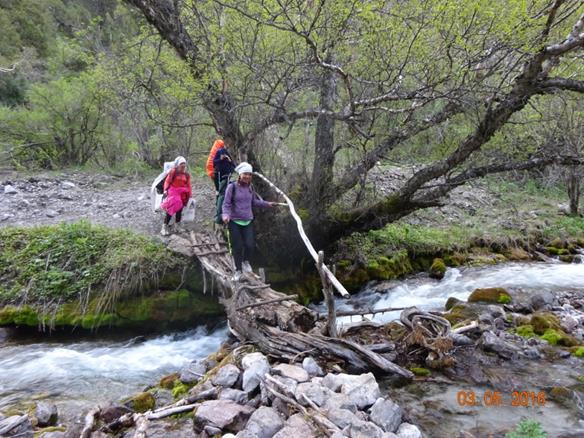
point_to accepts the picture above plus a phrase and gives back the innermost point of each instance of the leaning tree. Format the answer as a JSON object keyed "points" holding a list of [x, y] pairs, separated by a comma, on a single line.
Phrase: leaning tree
{"points": [[369, 78]]}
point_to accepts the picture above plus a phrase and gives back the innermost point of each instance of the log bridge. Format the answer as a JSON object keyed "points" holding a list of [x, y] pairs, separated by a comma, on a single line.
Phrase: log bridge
{"points": [[285, 330], [271, 320]]}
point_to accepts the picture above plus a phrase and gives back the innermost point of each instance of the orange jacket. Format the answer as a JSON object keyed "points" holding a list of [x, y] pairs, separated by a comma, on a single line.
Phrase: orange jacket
{"points": [[216, 146]]}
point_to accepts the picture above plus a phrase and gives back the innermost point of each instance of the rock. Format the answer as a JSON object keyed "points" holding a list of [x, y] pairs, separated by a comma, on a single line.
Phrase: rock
{"points": [[46, 414], [228, 435], [486, 320], [499, 323], [264, 422], [212, 431], [51, 213], [311, 367], [542, 300], [386, 414], [407, 430], [67, 184], [223, 414], [490, 295], [316, 393], [246, 434], [113, 412], [341, 417], [162, 397], [532, 353], [460, 339], [569, 323], [99, 434], [9, 190], [192, 372], [235, 395], [291, 372], [16, 426], [226, 376], [365, 429], [6, 216], [490, 342], [288, 385], [340, 401], [451, 302], [363, 389], [256, 366], [296, 426], [178, 428]]}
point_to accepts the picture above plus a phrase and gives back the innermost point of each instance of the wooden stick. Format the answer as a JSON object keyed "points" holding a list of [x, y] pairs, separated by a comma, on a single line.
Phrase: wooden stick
{"points": [[336, 283], [262, 303], [328, 298], [171, 411], [141, 422], [89, 422]]}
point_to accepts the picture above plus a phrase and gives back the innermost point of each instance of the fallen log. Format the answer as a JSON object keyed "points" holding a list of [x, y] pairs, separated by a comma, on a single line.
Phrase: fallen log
{"points": [[281, 330]]}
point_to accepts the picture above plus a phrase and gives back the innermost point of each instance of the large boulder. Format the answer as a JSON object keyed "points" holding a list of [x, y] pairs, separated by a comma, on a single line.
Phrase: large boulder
{"points": [[296, 426], [362, 389], [311, 367], [491, 342], [46, 414], [223, 414], [365, 429], [314, 391], [255, 366], [292, 372], [386, 414], [235, 395], [192, 372], [407, 430], [227, 376], [16, 426], [264, 422]]}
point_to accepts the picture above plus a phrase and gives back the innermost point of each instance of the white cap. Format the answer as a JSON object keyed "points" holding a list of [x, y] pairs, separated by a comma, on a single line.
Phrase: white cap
{"points": [[179, 160], [244, 168]]}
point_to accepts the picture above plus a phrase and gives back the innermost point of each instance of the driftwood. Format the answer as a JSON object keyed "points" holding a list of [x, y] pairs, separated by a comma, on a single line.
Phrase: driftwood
{"points": [[364, 312]]}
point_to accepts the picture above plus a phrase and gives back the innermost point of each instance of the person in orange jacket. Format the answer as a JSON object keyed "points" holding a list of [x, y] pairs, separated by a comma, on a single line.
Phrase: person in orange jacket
{"points": [[210, 167], [178, 191]]}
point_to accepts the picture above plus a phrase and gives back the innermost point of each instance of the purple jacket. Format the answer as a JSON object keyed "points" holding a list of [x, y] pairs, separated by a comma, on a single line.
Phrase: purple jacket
{"points": [[241, 209]]}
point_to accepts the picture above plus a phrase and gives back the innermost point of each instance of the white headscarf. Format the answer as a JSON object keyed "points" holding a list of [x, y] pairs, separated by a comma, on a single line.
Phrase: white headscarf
{"points": [[244, 167], [179, 160]]}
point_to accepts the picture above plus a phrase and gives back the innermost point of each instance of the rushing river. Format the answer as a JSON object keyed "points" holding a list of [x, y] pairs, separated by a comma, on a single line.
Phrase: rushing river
{"points": [[433, 404], [81, 373], [78, 373]]}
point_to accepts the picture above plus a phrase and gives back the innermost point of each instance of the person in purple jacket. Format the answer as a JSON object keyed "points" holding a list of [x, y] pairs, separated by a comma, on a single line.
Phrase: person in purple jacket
{"points": [[238, 216]]}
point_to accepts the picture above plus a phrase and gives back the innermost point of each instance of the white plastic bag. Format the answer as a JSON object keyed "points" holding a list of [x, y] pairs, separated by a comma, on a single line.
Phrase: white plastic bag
{"points": [[188, 214]]}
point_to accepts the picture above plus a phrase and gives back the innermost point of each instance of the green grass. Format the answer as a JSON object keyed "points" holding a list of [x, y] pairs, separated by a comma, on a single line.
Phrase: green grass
{"points": [[55, 264]]}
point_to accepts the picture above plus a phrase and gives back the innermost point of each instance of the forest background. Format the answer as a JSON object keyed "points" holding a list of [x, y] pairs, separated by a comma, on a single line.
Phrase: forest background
{"points": [[316, 94]]}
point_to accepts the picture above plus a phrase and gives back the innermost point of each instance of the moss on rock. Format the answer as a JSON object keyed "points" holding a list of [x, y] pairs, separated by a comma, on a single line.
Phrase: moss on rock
{"points": [[438, 268], [525, 331], [542, 321], [558, 337], [493, 295], [420, 371], [579, 352], [451, 302], [141, 402]]}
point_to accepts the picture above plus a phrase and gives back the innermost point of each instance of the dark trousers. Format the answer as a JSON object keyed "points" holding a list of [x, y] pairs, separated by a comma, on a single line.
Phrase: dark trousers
{"points": [[242, 242], [177, 217]]}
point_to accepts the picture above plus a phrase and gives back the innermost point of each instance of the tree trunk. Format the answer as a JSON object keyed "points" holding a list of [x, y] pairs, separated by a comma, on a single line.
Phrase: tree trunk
{"points": [[324, 156], [573, 184]]}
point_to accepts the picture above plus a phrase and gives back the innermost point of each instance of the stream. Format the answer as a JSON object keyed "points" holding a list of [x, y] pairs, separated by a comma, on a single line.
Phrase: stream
{"points": [[434, 403], [79, 373]]}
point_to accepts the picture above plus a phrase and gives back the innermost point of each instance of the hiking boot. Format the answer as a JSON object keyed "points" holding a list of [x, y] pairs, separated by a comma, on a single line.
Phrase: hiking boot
{"points": [[246, 267], [237, 276], [164, 231]]}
